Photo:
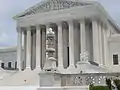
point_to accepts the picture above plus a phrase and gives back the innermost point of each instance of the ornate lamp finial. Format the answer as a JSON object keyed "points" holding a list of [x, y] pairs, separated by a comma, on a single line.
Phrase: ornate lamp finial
{"points": [[50, 64]]}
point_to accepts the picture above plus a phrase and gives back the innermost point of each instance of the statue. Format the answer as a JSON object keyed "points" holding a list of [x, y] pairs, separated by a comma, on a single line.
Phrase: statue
{"points": [[50, 31], [84, 57], [84, 61]]}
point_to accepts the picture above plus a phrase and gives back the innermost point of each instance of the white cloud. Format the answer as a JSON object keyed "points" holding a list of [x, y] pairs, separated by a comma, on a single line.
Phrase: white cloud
{"points": [[8, 9]]}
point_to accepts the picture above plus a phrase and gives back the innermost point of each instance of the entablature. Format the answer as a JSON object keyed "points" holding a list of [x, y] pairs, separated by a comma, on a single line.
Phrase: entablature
{"points": [[75, 13], [52, 5]]}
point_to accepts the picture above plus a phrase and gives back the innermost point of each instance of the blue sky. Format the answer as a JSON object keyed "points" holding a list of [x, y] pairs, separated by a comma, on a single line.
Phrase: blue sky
{"points": [[9, 8]]}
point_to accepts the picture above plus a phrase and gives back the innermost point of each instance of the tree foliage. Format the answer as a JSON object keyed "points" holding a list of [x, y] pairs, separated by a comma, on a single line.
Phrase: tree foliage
{"points": [[108, 82], [117, 83]]}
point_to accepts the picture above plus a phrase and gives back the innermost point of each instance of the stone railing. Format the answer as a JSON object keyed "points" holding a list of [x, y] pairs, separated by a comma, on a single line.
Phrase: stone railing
{"points": [[87, 79], [56, 79]]}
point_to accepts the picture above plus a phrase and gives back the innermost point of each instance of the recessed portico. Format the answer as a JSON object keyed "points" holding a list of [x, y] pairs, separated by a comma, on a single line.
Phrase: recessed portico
{"points": [[69, 44], [74, 33]]}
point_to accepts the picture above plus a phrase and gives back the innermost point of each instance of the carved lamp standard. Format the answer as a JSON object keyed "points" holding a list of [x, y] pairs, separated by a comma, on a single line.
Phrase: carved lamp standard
{"points": [[50, 64]]}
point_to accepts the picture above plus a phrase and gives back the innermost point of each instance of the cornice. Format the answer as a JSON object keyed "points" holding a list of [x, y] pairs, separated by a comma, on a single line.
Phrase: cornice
{"points": [[86, 3], [51, 5]]}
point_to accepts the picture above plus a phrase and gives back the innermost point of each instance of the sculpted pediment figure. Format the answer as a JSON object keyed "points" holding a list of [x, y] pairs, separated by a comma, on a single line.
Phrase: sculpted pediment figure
{"points": [[50, 5]]}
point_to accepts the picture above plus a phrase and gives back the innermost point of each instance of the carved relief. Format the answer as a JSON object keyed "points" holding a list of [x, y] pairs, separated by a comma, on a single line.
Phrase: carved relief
{"points": [[81, 80], [50, 5]]}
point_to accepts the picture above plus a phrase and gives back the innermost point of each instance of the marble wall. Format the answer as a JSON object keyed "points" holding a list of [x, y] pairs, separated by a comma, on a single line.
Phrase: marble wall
{"points": [[9, 55]]}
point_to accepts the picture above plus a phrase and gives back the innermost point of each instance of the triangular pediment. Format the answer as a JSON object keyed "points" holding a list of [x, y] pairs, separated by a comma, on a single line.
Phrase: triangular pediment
{"points": [[50, 5]]}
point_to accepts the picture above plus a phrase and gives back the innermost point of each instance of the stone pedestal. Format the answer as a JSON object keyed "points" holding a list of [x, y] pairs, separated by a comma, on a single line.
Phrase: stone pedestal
{"points": [[66, 88], [49, 79], [71, 70]]}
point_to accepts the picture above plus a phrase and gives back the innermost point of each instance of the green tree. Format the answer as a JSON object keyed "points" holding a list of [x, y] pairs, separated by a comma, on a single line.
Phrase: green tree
{"points": [[108, 82], [117, 83]]}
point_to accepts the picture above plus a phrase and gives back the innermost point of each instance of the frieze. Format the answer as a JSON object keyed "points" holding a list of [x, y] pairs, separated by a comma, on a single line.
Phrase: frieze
{"points": [[50, 5]]}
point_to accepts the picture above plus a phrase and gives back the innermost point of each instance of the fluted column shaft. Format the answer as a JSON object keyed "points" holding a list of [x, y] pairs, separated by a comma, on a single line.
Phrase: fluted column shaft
{"points": [[25, 43], [60, 45], [19, 48], [100, 45], [82, 36], [33, 51], [43, 47], [38, 47], [95, 41], [105, 46], [28, 49], [71, 43]]}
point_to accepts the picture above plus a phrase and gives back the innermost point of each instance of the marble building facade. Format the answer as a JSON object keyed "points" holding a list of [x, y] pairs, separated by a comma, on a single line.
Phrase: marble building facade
{"points": [[76, 32], [79, 26], [101, 44]]}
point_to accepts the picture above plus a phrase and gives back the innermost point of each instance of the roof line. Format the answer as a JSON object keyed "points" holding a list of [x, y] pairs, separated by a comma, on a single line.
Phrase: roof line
{"points": [[109, 18], [33, 6], [43, 1]]}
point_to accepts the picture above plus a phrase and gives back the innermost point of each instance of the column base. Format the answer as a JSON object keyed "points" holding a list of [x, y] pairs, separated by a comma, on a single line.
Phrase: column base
{"points": [[71, 69], [61, 69], [37, 69], [101, 65], [20, 70], [28, 69]]}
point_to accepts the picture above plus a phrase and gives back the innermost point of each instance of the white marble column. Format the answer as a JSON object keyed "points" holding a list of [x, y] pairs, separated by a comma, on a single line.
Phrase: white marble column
{"points": [[38, 48], [77, 42], [33, 65], [43, 47], [60, 45], [65, 46], [25, 43], [28, 49], [95, 41], [105, 45], [82, 36], [71, 44], [19, 48], [100, 45]]}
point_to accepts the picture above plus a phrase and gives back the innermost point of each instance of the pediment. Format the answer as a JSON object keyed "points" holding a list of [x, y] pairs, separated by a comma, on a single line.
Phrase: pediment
{"points": [[50, 5]]}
